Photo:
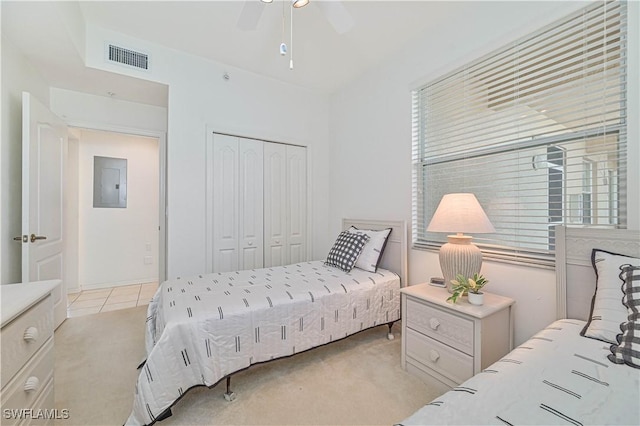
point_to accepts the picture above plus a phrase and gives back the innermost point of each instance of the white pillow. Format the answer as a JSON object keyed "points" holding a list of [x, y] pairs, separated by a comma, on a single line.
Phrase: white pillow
{"points": [[607, 310], [372, 252]]}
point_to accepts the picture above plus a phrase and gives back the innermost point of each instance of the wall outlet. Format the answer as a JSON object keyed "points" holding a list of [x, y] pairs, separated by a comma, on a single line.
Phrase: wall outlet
{"points": [[147, 246], [148, 260]]}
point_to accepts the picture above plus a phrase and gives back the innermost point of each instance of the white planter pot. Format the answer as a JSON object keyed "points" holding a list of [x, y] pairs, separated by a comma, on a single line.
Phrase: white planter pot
{"points": [[475, 298]]}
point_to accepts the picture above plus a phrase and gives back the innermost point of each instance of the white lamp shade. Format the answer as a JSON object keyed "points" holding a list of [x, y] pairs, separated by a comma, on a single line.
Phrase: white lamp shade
{"points": [[460, 213]]}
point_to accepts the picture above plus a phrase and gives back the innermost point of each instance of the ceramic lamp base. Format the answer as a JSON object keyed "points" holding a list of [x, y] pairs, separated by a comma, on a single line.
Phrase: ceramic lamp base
{"points": [[459, 256]]}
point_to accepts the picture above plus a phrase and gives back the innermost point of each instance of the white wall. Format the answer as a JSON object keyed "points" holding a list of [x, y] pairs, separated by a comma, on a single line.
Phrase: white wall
{"points": [[371, 137], [247, 104], [17, 76], [102, 112], [113, 242]]}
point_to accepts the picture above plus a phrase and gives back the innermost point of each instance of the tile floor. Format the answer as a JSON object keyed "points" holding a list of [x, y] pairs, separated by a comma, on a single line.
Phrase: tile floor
{"points": [[109, 299]]}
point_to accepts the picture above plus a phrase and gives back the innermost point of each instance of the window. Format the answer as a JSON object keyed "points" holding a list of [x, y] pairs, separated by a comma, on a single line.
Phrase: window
{"points": [[536, 130]]}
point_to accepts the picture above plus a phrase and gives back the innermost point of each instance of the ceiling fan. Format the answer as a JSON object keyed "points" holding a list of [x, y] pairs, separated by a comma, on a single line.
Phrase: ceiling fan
{"points": [[334, 11]]}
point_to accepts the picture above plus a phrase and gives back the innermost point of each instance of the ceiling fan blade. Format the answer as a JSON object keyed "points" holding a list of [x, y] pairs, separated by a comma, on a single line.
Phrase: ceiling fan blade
{"points": [[250, 15], [337, 15]]}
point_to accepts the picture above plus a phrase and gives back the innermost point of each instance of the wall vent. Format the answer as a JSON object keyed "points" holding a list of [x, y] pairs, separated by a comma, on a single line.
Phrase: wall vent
{"points": [[128, 57]]}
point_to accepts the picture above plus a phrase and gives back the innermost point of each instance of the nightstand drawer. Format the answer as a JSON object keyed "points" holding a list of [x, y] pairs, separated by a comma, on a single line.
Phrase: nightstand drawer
{"points": [[447, 361], [444, 327]]}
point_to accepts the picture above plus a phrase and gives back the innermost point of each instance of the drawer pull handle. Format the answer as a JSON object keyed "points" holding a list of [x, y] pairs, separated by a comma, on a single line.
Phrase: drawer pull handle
{"points": [[434, 355], [32, 384], [434, 323], [31, 334]]}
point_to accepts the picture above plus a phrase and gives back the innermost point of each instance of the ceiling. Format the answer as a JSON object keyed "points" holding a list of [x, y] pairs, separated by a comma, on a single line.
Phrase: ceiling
{"points": [[324, 60]]}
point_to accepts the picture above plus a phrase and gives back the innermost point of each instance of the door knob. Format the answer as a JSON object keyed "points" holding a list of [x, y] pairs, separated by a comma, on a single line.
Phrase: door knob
{"points": [[35, 237], [22, 238]]}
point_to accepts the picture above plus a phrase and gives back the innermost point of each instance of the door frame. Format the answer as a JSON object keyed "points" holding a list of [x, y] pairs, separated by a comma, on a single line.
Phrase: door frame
{"points": [[161, 136]]}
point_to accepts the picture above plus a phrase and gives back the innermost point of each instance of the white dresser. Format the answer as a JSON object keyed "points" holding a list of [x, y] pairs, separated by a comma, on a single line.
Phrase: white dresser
{"points": [[26, 339], [452, 342]]}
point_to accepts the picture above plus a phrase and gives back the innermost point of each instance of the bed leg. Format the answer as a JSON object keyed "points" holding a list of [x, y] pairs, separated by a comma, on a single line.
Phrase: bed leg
{"points": [[229, 395], [390, 335]]}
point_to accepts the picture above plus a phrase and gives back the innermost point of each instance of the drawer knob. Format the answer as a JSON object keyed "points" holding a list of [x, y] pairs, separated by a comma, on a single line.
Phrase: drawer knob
{"points": [[434, 323], [32, 384], [31, 334], [434, 355]]}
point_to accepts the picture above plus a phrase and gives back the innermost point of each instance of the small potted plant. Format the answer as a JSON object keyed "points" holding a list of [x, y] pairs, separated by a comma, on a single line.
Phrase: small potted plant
{"points": [[470, 286]]}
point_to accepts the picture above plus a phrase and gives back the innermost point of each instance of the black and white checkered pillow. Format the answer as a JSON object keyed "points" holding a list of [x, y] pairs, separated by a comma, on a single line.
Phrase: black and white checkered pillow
{"points": [[627, 351], [345, 250]]}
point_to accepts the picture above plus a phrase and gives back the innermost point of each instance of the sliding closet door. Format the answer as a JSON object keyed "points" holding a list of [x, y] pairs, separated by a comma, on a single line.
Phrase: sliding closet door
{"points": [[251, 204], [258, 204], [296, 204], [275, 215], [225, 203], [237, 203]]}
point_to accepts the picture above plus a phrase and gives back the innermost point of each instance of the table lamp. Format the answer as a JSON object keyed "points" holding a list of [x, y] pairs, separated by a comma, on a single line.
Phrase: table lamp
{"points": [[459, 213]]}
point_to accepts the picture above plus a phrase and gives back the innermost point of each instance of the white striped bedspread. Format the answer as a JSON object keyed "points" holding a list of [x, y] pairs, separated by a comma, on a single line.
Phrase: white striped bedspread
{"points": [[201, 329], [555, 378]]}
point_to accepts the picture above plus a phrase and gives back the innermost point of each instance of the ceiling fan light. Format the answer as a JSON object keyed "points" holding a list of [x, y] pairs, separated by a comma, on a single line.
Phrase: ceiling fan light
{"points": [[266, 1], [299, 3]]}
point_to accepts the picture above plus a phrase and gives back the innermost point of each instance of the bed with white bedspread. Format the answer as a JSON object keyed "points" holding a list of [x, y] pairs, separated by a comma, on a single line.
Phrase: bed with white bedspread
{"points": [[204, 328], [561, 376]]}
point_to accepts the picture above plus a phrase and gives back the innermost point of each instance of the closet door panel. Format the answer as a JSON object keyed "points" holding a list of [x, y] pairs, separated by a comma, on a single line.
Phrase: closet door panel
{"points": [[251, 204], [296, 203], [225, 203], [275, 220]]}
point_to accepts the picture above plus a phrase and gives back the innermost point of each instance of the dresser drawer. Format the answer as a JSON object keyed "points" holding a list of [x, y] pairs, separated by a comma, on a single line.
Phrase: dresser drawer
{"points": [[37, 375], [45, 414], [23, 336], [447, 361], [442, 326]]}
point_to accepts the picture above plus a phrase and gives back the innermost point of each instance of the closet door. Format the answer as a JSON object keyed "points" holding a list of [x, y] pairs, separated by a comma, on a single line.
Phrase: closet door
{"points": [[296, 223], [225, 203], [251, 204], [237, 203], [275, 217]]}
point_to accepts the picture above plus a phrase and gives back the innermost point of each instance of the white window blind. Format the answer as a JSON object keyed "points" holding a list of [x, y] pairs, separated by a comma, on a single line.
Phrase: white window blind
{"points": [[536, 130]]}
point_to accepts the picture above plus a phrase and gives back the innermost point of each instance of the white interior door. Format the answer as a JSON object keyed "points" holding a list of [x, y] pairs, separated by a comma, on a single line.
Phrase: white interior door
{"points": [[296, 204], [251, 204], [275, 219], [44, 149], [225, 203]]}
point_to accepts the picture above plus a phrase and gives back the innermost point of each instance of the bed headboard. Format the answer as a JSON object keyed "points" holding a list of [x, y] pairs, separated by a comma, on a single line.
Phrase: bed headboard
{"points": [[575, 279], [394, 257]]}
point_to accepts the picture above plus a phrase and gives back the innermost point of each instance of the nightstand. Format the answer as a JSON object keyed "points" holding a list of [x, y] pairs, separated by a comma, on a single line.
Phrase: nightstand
{"points": [[452, 342]]}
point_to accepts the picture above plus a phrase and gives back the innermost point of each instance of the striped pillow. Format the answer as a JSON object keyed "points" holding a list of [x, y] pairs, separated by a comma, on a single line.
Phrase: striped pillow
{"points": [[627, 351], [372, 251]]}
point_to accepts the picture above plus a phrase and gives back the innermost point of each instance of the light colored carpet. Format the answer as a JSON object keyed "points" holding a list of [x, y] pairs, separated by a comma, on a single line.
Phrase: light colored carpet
{"points": [[357, 380]]}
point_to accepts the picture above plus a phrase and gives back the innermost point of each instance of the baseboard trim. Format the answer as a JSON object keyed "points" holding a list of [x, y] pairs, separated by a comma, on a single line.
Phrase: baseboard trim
{"points": [[84, 287]]}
